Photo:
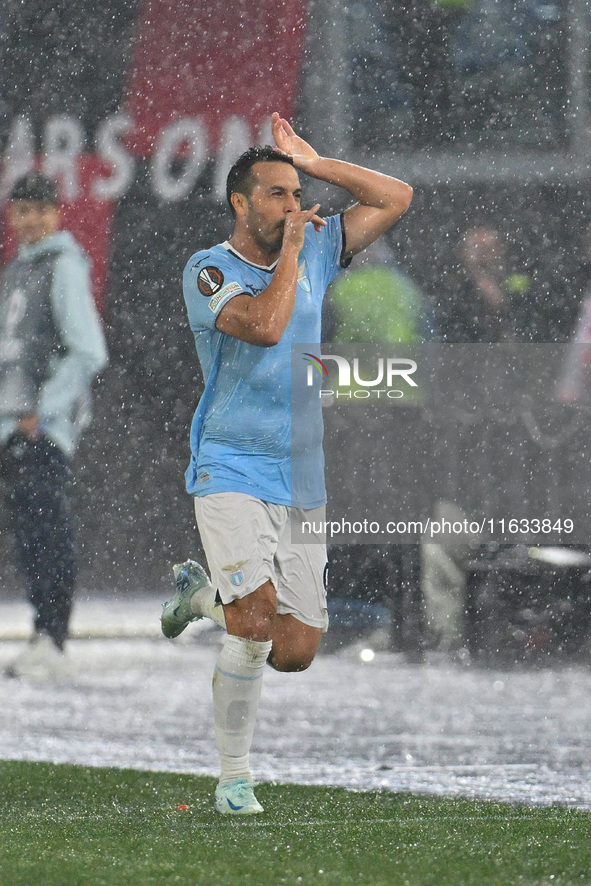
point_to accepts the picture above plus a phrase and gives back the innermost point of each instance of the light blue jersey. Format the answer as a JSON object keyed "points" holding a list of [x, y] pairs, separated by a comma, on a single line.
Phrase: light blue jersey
{"points": [[241, 436]]}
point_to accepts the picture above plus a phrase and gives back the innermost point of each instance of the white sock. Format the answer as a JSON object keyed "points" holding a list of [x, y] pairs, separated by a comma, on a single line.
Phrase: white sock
{"points": [[237, 683], [203, 604]]}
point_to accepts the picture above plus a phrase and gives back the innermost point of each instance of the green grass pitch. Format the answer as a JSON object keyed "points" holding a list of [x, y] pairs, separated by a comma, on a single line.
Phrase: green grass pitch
{"points": [[79, 826]]}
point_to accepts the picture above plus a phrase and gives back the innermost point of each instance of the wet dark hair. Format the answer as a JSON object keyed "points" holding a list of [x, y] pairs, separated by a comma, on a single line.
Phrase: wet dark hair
{"points": [[240, 179], [35, 186]]}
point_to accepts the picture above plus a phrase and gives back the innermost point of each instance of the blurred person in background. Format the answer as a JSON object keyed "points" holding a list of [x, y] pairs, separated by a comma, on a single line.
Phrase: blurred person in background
{"points": [[486, 302], [575, 380], [378, 302], [51, 348]]}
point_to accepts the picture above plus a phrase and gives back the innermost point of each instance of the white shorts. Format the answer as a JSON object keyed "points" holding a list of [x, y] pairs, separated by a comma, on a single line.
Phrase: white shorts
{"points": [[248, 542]]}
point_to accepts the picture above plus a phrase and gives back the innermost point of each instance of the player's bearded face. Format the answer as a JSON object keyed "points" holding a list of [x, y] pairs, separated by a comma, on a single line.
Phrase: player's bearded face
{"points": [[276, 192], [266, 231]]}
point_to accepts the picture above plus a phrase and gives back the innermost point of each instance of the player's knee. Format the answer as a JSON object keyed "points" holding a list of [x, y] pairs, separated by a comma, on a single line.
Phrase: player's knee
{"points": [[259, 629], [294, 644], [256, 626], [261, 619], [252, 616], [291, 660], [289, 665]]}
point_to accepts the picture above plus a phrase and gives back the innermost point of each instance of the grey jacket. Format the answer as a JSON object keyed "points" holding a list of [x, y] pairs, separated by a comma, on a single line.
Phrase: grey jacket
{"points": [[51, 339]]}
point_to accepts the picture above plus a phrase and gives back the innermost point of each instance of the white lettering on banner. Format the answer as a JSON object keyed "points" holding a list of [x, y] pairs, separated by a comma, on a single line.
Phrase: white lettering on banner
{"points": [[63, 140], [19, 156], [63, 143], [234, 140], [109, 146], [265, 132], [189, 131]]}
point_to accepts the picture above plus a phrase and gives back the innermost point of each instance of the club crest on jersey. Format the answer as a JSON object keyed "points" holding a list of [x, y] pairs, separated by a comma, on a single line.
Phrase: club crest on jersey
{"points": [[302, 279], [210, 280], [236, 574]]}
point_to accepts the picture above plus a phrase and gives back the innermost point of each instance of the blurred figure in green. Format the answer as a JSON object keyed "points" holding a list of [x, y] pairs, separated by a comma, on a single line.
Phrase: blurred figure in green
{"points": [[378, 302]]}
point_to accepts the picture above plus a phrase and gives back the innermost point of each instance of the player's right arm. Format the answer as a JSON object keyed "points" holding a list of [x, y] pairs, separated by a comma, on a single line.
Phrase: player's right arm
{"points": [[262, 320]]}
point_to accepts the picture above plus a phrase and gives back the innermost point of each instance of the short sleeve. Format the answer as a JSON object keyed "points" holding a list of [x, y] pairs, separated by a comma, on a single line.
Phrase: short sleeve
{"points": [[209, 282], [330, 244]]}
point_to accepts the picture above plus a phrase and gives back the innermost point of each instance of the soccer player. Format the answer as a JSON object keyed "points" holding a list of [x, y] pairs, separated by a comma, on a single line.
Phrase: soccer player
{"points": [[248, 300]]}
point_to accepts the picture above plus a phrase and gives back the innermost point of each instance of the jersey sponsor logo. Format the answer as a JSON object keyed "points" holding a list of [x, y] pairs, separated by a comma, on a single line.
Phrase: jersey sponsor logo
{"points": [[236, 574], [229, 289], [210, 280]]}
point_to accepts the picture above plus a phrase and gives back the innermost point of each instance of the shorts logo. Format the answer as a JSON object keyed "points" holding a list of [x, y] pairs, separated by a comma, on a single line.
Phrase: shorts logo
{"points": [[236, 574], [210, 280], [229, 289]]}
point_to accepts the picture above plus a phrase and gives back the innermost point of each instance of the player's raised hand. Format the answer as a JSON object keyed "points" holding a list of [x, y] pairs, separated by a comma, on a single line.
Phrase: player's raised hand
{"points": [[295, 223], [289, 143]]}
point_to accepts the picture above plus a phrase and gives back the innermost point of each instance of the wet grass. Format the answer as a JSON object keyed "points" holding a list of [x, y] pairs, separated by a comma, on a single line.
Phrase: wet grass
{"points": [[78, 826]]}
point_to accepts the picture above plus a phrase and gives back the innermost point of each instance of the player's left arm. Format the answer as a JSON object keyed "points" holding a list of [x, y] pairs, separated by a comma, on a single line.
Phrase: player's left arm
{"points": [[380, 199]]}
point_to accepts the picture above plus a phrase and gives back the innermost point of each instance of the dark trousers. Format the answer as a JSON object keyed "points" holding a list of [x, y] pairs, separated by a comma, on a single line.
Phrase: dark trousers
{"points": [[38, 480]]}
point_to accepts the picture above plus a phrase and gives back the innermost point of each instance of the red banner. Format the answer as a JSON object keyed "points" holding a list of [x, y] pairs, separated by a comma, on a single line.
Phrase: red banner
{"points": [[213, 60]]}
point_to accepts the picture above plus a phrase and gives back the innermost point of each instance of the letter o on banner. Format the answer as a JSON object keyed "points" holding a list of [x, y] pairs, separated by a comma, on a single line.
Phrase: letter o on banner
{"points": [[187, 131]]}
